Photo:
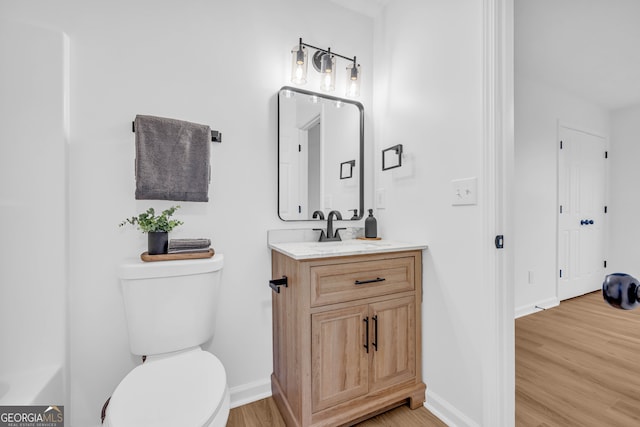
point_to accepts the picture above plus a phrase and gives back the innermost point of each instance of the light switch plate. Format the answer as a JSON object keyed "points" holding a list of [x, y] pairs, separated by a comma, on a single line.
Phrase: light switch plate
{"points": [[464, 191]]}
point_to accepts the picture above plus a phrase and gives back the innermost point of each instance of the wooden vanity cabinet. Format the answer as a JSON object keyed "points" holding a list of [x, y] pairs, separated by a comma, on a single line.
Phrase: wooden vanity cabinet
{"points": [[346, 337]]}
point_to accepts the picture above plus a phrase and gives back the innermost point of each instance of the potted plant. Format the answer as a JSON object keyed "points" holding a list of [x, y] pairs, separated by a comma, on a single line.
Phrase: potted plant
{"points": [[156, 227]]}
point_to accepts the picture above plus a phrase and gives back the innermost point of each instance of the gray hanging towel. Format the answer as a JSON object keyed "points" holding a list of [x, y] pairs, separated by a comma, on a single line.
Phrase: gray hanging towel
{"points": [[172, 159]]}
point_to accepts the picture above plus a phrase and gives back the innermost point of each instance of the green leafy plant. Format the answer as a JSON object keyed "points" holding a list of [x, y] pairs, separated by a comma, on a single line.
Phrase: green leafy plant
{"points": [[149, 222]]}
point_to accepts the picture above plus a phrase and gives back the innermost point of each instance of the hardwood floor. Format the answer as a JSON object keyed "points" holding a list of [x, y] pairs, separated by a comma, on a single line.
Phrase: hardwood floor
{"points": [[264, 413], [578, 365]]}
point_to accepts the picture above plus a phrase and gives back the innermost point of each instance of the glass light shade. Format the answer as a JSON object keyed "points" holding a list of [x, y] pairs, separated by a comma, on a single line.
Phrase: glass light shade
{"points": [[299, 64], [327, 72], [354, 76]]}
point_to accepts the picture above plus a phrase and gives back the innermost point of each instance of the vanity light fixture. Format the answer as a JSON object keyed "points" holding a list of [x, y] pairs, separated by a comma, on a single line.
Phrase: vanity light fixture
{"points": [[299, 64], [324, 61], [327, 68], [353, 79]]}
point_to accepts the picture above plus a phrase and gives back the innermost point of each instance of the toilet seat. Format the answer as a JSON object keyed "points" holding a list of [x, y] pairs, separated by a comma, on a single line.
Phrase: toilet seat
{"points": [[185, 389]]}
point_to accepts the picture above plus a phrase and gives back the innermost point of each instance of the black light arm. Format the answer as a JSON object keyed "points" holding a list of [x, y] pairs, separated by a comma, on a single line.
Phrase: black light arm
{"points": [[327, 51]]}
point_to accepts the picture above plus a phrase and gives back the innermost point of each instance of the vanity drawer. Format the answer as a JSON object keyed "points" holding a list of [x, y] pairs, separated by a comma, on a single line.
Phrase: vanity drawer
{"points": [[335, 283]]}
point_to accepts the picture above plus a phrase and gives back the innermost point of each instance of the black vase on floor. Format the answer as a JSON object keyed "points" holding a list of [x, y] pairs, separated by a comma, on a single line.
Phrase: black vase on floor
{"points": [[157, 242]]}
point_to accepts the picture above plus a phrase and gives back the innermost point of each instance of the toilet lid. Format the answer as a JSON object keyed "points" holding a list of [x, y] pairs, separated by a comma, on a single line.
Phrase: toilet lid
{"points": [[179, 390]]}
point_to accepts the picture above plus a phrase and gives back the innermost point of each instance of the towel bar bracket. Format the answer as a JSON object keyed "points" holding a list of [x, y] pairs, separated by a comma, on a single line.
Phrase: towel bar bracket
{"points": [[216, 136]]}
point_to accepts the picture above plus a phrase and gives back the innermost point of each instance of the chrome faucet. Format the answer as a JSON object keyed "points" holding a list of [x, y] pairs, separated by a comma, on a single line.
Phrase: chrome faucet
{"points": [[330, 236]]}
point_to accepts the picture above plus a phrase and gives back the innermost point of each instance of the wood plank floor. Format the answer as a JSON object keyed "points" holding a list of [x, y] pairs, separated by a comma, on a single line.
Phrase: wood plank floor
{"points": [[576, 365], [264, 413]]}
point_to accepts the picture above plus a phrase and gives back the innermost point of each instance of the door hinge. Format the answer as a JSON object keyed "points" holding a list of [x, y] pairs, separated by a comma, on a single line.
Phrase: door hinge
{"points": [[605, 209], [299, 209], [560, 208], [561, 145], [606, 154], [605, 264], [499, 241], [299, 148], [560, 273]]}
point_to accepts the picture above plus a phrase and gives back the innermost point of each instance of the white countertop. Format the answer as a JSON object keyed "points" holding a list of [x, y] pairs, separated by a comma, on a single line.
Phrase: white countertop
{"points": [[309, 250]]}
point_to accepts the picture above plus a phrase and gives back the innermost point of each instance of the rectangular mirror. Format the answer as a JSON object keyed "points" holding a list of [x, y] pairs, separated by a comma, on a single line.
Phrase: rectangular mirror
{"points": [[319, 136]]}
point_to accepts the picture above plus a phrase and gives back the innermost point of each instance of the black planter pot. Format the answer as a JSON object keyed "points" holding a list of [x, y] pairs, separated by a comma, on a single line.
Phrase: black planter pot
{"points": [[157, 242]]}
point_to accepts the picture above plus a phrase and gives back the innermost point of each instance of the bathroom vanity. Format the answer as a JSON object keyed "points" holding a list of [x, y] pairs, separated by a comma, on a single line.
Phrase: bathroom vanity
{"points": [[346, 330]]}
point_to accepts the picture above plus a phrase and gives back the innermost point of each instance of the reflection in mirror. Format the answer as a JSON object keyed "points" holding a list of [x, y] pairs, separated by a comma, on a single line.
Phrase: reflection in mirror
{"points": [[320, 155], [346, 169]]}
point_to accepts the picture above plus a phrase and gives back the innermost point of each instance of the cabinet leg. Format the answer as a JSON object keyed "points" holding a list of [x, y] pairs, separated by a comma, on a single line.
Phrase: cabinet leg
{"points": [[416, 400]]}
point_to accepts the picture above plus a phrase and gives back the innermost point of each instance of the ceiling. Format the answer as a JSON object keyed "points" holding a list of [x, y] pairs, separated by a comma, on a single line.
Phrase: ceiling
{"points": [[367, 7], [590, 48]]}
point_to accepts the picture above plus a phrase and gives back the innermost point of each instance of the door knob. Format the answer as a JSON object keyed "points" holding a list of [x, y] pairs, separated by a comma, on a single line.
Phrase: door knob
{"points": [[583, 222], [590, 221]]}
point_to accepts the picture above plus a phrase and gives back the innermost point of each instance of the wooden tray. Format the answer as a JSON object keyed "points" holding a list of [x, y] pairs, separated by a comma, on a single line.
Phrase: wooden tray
{"points": [[172, 257], [369, 238]]}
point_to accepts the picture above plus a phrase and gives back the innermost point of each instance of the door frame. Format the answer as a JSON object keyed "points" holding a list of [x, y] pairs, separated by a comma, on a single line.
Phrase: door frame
{"points": [[498, 171]]}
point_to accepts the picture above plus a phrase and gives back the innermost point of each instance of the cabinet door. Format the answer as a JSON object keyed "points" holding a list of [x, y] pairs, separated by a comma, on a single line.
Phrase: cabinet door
{"points": [[393, 356], [339, 360]]}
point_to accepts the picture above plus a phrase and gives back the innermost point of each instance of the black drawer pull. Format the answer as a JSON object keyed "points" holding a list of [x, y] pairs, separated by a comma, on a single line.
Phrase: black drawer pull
{"points": [[375, 332], [377, 279], [366, 334]]}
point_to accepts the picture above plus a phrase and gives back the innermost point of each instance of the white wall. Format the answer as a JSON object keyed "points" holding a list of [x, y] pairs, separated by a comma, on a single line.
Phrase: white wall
{"points": [[538, 108], [624, 197], [219, 63], [428, 97], [33, 269]]}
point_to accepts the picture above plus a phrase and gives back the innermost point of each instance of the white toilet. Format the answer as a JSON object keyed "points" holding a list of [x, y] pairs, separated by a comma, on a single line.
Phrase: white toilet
{"points": [[171, 309]]}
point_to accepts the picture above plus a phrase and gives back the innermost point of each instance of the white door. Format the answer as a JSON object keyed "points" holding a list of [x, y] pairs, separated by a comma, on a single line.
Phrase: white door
{"points": [[581, 213]]}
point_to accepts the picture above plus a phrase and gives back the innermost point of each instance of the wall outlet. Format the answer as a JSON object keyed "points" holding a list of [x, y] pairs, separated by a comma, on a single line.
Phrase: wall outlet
{"points": [[464, 191]]}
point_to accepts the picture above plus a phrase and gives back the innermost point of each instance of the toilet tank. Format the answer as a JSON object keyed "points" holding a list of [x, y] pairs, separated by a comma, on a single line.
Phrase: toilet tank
{"points": [[170, 305]]}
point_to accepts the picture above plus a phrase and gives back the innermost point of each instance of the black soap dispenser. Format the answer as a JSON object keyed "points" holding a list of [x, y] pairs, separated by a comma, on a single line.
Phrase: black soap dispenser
{"points": [[370, 226]]}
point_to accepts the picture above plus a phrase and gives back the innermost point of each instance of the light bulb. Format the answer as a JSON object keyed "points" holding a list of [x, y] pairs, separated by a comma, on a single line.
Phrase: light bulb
{"points": [[299, 64], [328, 64], [354, 76]]}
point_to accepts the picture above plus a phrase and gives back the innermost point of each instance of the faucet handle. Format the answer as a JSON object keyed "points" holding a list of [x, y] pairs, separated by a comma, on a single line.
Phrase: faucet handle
{"points": [[322, 235], [336, 234]]}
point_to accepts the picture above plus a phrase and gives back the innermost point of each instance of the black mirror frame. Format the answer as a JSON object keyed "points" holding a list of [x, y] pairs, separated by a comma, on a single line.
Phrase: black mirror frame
{"points": [[361, 154]]}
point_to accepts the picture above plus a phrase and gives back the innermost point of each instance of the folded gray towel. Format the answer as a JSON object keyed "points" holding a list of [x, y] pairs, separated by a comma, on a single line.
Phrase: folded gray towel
{"points": [[172, 159], [189, 243], [187, 251]]}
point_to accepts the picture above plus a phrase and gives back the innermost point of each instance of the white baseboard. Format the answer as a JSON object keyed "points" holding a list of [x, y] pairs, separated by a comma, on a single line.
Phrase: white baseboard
{"points": [[536, 307], [247, 393], [447, 413]]}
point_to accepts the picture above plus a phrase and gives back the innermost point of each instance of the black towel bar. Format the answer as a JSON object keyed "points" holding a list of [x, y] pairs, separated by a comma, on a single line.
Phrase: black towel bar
{"points": [[215, 135]]}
